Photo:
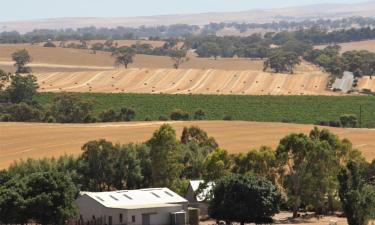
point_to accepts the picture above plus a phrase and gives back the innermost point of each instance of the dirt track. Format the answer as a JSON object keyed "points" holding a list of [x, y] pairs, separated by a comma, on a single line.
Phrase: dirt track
{"points": [[25, 140], [185, 81]]}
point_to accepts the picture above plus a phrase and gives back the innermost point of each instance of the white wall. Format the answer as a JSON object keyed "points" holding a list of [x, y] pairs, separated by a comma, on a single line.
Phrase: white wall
{"points": [[160, 216]]}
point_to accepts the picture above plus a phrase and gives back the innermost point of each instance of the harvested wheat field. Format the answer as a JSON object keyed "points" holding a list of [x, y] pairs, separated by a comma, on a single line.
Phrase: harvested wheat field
{"points": [[33, 140], [67, 59], [367, 82], [368, 45], [185, 81]]}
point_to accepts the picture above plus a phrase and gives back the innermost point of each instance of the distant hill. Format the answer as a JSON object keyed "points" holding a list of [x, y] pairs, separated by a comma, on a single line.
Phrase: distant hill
{"points": [[321, 11]]}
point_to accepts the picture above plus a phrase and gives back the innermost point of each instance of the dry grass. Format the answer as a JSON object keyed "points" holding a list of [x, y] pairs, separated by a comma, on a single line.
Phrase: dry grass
{"points": [[368, 45], [62, 59], [185, 81], [367, 83], [33, 140]]}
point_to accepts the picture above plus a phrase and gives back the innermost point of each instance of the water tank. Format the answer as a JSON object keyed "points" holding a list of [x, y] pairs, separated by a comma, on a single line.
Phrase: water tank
{"points": [[193, 216], [178, 218]]}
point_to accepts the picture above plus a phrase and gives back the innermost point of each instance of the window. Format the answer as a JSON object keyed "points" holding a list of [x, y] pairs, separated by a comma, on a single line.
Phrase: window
{"points": [[133, 219], [120, 217]]}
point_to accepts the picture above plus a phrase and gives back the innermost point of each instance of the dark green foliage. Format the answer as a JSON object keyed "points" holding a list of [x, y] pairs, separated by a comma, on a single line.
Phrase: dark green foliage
{"points": [[357, 197], [178, 57], [199, 114], [244, 199], [349, 120], [23, 112], [22, 88], [52, 192], [123, 56], [178, 114], [165, 152], [127, 114], [108, 115], [282, 61], [70, 108], [21, 58], [299, 109]]}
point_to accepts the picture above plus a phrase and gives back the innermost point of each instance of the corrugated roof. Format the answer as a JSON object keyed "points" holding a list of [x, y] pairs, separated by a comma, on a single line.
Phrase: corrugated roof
{"points": [[141, 198], [203, 194]]}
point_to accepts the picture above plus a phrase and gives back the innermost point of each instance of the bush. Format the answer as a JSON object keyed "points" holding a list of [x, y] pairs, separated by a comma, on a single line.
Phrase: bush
{"points": [[148, 118], [127, 114], [178, 114], [349, 120], [199, 114], [227, 117], [286, 120], [49, 44], [108, 116], [163, 118]]}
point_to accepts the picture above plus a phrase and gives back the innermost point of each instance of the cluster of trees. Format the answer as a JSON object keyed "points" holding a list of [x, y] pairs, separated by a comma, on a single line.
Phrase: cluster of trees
{"points": [[339, 27], [359, 62], [312, 171]]}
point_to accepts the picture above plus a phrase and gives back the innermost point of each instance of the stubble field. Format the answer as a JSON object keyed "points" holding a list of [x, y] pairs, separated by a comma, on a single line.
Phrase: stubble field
{"points": [[34, 140]]}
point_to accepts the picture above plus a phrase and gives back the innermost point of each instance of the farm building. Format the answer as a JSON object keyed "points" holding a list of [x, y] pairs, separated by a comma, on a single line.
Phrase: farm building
{"points": [[156, 206], [197, 198]]}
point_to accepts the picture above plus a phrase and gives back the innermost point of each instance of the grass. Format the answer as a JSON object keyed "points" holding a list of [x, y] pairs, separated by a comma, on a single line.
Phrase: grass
{"points": [[296, 109]]}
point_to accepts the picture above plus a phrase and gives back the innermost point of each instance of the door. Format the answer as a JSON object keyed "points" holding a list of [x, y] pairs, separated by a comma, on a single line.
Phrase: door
{"points": [[146, 219], [110, 220]]}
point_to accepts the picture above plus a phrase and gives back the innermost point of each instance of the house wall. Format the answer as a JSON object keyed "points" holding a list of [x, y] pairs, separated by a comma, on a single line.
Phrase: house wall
{"points": [[87, 208], [158, 216]]}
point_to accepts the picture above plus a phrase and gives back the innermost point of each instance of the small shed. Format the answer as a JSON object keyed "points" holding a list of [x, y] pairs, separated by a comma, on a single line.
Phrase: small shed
{"points": [[198, 197], [131, 207]]}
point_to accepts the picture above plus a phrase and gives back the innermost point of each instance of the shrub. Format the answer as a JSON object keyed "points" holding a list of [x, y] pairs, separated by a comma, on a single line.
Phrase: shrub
{"points": [[49, 44], [148, 118], [286, 120], [163, 118], [127, 114], [178, 114], [227, 117], [108, 116], [199, 114], [349, 120]]}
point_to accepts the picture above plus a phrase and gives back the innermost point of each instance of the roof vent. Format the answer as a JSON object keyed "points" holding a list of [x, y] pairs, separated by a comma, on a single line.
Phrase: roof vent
{"points": [[100, 199], [127, 196], [168, 193], [113, 197], [155, 194]]}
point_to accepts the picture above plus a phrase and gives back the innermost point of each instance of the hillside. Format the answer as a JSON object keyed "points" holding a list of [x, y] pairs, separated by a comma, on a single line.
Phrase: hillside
{"points": [[31, 140], [331, 11], [186, 81], [67, 59]]}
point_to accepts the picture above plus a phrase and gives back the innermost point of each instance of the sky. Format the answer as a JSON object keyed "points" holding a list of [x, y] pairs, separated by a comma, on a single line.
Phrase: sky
{"points": [[35, 9]]}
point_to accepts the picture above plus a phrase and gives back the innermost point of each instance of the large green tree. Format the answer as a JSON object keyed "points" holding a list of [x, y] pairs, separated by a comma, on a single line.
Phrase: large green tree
{"points": [[244, 199], [22, 88], [123, 56], [21, 59], [49, 197], [282, 61], [70, 108], [357, 197], [165, 153]]}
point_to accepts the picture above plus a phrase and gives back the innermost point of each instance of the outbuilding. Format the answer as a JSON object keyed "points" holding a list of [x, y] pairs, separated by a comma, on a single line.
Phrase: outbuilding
{"points": [[155, 206], [197, 195]]}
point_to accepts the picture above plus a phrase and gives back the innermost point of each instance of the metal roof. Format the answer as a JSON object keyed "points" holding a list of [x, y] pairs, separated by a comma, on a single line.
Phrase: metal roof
{"points": [[142, 198], [203, 194]]}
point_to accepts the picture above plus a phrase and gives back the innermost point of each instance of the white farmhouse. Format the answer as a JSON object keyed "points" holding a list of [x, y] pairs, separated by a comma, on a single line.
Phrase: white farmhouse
{"points": [[156, 206]]}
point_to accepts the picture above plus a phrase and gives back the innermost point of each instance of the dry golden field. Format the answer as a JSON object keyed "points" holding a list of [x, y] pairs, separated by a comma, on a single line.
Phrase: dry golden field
{"points": [[185, 81], [33, 140], [367, 83], [368, 45], [65, 59]]}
